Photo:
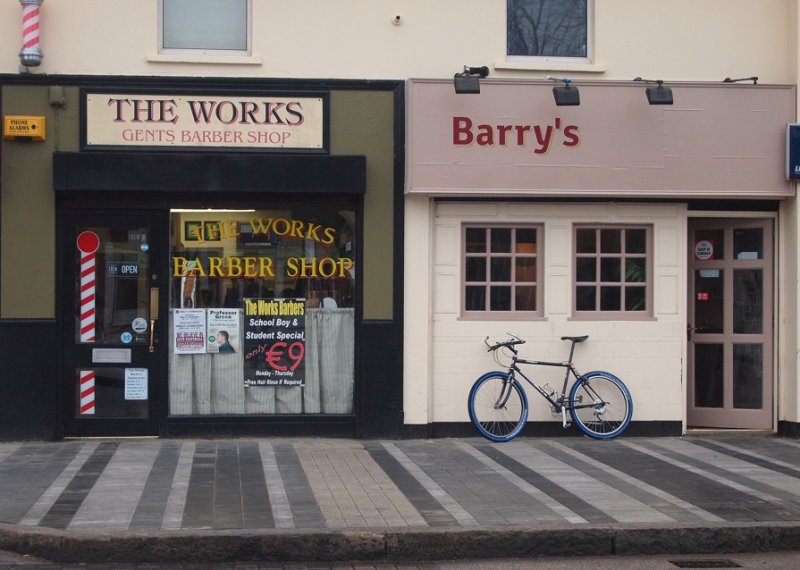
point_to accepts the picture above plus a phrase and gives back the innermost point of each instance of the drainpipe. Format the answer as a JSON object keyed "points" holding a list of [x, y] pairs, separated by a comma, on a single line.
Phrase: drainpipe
{"points": [[30, 55]]}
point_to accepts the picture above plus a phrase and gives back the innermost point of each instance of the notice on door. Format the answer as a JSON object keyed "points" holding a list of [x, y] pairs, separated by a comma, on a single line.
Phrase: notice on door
{"points": [[274, 342], [136, 383], [189, 328]]}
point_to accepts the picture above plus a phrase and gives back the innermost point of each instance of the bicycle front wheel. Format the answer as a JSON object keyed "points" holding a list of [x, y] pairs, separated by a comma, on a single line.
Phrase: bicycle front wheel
{"points": [[601, 405], [498, 406]]}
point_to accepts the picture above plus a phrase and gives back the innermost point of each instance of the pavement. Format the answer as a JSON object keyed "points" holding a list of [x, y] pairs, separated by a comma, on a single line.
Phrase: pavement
{"points": [[272, 499]]}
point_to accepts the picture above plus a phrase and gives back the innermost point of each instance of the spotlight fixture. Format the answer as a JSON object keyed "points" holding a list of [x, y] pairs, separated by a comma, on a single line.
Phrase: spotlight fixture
{"points": [[566, 95], [658, 95], [468, 81], [754, 79]]}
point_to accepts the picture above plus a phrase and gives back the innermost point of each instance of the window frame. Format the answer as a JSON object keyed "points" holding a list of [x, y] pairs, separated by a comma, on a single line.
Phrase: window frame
{"points": [[589, 58], [199, 51], [538, 255], [648, 256]]}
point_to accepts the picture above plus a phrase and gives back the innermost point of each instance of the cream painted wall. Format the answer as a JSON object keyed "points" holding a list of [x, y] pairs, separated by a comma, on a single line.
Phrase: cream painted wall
{"points": [[647, 355], [676, 40]]}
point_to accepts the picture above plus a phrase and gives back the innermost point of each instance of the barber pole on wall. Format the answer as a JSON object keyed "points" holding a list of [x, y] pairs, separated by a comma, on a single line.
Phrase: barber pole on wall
{"points": [[31, 54], [88, 243]]}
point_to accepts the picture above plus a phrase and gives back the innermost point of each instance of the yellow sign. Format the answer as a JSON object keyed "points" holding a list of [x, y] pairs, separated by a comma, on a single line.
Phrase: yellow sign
{"points": [[23, 127]]}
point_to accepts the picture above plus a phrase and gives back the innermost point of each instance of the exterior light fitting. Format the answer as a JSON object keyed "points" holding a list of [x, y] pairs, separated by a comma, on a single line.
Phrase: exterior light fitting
{"points": [[567, 95], [754, 79], [468, 81], [658, 95]]}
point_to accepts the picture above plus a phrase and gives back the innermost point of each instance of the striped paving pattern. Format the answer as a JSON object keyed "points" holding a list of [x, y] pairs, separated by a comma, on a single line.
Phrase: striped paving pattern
{"points": [[336, 484]]}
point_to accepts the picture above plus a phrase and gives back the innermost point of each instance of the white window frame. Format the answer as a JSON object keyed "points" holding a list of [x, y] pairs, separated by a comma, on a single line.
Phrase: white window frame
{"points": [[521, 60], [162, 51], [538, 255]]}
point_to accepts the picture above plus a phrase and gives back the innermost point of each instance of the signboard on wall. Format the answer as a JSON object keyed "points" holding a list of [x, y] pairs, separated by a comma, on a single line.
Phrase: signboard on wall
{"points": [[264, 123]]}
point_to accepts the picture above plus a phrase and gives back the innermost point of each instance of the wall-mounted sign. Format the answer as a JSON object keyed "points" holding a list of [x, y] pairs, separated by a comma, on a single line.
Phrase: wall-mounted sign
{"points": [[212, 121], [19, 127]]}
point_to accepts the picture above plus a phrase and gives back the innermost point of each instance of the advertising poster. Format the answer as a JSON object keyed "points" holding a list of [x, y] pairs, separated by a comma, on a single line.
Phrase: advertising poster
{"points": [[223, 331], [274, 342], [189, 326]]}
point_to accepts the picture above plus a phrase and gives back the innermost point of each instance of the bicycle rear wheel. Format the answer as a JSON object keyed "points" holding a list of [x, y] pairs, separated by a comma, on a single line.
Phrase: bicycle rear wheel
{"points": [[498, 406], [601, 405]]}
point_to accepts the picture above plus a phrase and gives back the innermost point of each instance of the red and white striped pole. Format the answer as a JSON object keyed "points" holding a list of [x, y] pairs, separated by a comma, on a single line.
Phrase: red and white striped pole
{"points": [[31, 54], [88, 243]]}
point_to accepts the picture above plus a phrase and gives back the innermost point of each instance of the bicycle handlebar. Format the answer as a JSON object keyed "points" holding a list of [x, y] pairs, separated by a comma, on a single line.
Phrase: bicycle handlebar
{"points": [[514, 340]]}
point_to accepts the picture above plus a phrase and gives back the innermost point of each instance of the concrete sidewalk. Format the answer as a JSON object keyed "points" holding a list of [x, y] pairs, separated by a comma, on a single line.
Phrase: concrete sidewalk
{"points": [[333, 499]]}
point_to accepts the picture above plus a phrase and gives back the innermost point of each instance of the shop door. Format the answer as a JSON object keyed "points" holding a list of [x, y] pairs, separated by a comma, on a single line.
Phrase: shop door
{"points": [[730, 323], [113, 334]]}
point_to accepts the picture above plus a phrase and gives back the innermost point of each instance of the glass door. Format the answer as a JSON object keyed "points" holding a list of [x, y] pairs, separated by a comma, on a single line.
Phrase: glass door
{"points": [[113, 334], [730, 324]]}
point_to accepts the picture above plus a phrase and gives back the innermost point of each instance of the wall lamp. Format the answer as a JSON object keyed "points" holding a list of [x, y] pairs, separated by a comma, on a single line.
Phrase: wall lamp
{"points": [[658, 95], [468, 81], [567, 95], [754, 79]]}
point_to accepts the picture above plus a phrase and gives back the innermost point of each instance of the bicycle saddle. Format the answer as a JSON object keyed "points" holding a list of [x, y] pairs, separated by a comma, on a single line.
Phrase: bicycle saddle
{"points": [[575, 338]]}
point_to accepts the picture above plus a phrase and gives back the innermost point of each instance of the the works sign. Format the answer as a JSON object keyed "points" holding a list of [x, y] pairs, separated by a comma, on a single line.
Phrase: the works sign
{"points": [[197, 120]]}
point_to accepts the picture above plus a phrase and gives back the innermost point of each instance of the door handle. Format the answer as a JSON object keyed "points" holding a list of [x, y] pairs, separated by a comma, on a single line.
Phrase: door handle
{"points": [[153, 316], [689, 330]]}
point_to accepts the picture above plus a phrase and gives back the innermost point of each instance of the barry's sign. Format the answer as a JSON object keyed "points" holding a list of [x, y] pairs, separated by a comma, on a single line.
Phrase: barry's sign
{"points": [[114, 119]]}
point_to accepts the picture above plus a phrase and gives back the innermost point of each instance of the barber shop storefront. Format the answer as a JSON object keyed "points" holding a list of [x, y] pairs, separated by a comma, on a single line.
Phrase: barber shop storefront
{"points": [[223, 260]]}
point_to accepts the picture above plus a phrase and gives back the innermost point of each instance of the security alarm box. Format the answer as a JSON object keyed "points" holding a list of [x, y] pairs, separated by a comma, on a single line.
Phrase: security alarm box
{"points": [[20, 127]]}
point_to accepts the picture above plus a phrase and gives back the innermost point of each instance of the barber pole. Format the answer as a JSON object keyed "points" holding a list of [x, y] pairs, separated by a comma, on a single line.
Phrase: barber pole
{"points": [[87, 392], [31, 54], [88, 243]]}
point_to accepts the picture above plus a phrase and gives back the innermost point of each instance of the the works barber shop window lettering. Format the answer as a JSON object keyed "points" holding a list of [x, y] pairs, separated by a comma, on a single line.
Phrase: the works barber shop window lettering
{"points": [[547, 28], [207, 26], [502, 271], [612, 271], [262, 308]]}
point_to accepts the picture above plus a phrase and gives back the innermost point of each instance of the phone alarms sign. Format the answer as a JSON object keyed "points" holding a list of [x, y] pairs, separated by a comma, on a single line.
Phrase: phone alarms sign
{"points": [[262, 123]]}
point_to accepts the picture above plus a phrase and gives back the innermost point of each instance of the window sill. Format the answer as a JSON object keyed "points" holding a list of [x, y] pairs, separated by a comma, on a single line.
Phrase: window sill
{"points": [[204, 59], [550, 65]]}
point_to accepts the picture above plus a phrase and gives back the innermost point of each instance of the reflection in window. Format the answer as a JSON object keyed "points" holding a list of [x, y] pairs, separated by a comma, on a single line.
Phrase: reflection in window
{"points": [[547, 28]]}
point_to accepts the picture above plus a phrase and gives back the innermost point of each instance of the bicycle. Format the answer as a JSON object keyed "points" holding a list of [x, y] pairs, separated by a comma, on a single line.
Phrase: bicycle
{"points": [[599, 402]]}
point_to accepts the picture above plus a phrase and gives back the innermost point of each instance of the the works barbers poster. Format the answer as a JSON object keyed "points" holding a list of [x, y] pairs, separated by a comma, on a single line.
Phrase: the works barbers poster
{"points": [[274, 342]]}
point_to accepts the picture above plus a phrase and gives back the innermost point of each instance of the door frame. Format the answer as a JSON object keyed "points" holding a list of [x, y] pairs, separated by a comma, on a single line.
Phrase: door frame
{"points": [[70, 357], [771, 326]]}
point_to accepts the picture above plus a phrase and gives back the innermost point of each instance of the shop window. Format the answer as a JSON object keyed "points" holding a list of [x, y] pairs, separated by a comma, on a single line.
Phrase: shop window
{"points": [[209, 26], [262, 311], [613, 267], [502, 271], [548, 28]]}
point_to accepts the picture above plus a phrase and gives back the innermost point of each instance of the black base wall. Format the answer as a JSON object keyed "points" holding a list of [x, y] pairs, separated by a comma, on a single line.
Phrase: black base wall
{"points": [[539, 429], [28, 380], [789, 429], [381, 377]]}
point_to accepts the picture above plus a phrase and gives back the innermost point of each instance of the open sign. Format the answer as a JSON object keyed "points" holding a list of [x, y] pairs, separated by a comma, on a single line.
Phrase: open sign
{"points": [[123, 269]]}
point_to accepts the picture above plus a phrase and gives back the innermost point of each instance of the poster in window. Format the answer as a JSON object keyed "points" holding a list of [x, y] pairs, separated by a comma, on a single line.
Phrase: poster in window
{"points": [[189, 331], [223, 331], [274, 342]]}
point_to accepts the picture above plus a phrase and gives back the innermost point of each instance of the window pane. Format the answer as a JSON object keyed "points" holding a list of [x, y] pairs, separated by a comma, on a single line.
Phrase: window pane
{"points": [[748, 376], [585, 299], [610, 269], [476, 269], [205, 24], [748, 243], [635, 241], [747, 301], [610, 241], [526, 270], [475, 299], [501, 269], [709, 301], [547, 28], [714, 247], [634, 299], [476, 240], [501, 240], [635, 270], [526, 241], [585, 241], [610, 298], [500, 298], [708, 361], [586, 269], [526, 298]]}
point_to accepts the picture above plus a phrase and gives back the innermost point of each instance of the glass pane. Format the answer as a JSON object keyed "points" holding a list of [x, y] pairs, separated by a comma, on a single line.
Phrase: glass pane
{"points": [[610, 298], [476, 269], [709, 244], [500, 298], [476, 240], [747, 301], [501, 240], [586, 241], [610, 241], [586, 269], [585, 298], [111, 393], [635, 241], [708, 301], [635, 270], [526, 298], [748, 376], [635, 299], [526, 240], [501, 269], [205, 24], [748, 243], [526, 269], [112, 288], [475, 299], [546, 28], [610, 268], [708, 365]]}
